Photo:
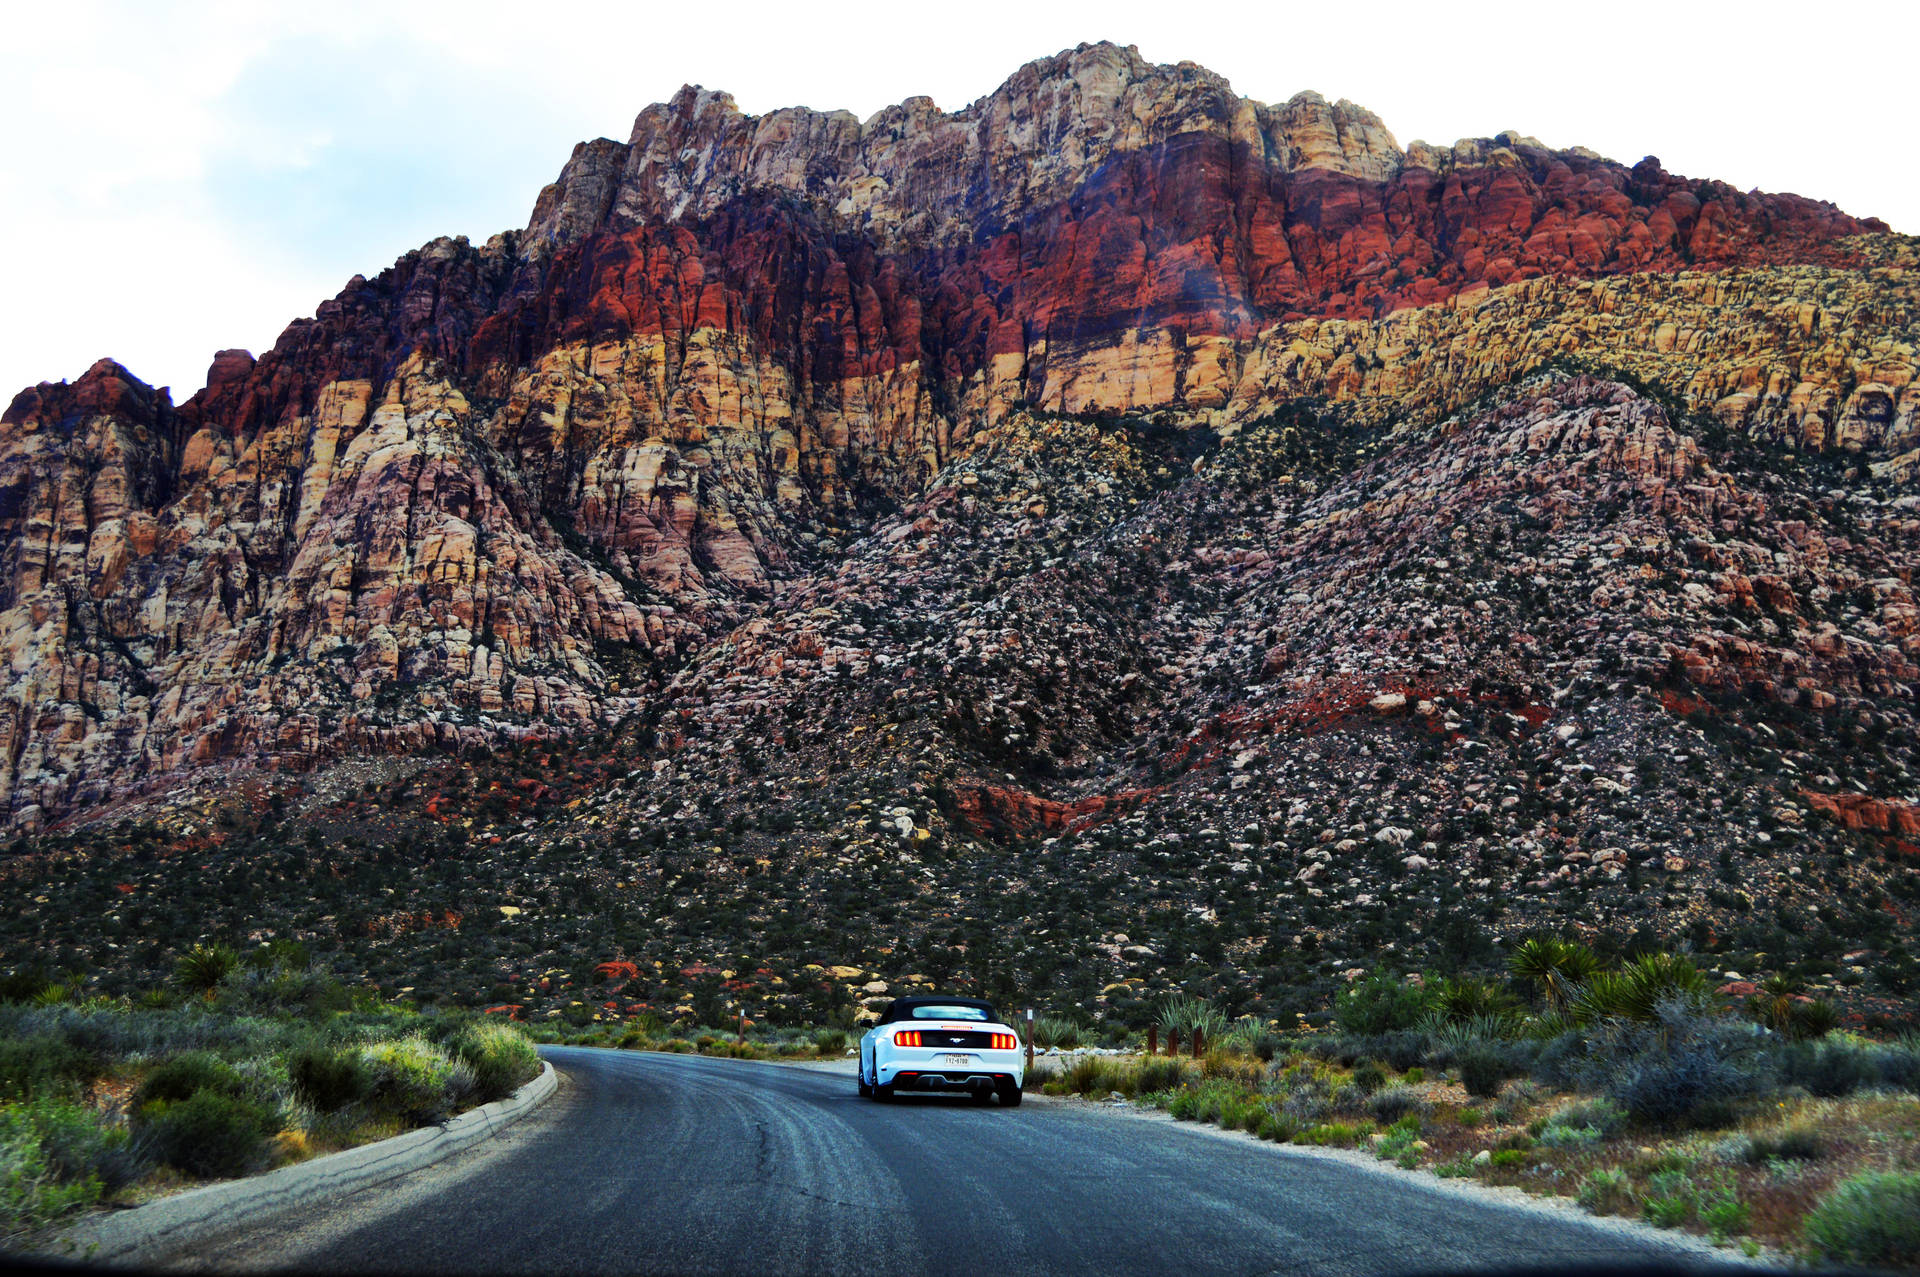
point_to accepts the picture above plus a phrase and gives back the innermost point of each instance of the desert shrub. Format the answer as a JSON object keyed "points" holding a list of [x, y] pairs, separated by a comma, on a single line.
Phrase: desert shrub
{"points": [[1369, 1076], [1560, 1136], [1671, 1199], [830, 1041], [502, 1058], [1381, 1004], [1277, 1127], [1508, 1158], [42, 1064], [1873, 1218], [1401, 1048], [49, 1165], [1606, 1192], [1242, 1115], [1725, 1215], [415, 1080], [1685, 1068], [1899, 1064], [1830, 1068], [1330, 1135], [1482, 1070], [1794, 1144], [209, 1134], [1090, 1074], [1393, 1103], [328, 1077], [1161, 1073], [1603, 1115], [1037, 1077], [185, 1076]]}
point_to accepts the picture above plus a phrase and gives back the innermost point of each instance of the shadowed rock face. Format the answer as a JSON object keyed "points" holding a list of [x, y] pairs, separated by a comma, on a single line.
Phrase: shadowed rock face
{"points": [[508, 489]]}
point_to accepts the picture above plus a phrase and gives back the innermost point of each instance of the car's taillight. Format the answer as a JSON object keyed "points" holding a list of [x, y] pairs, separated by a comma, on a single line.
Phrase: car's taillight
{"points": [[1005, 1042], [907, 1037]]}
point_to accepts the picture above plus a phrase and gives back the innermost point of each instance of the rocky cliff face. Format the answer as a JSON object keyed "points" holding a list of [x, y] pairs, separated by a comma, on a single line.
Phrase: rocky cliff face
{"points": [[512, 490]]}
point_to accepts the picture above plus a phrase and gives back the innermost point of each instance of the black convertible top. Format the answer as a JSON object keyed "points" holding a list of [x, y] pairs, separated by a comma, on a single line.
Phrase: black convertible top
{"points": [[902, 1008]]}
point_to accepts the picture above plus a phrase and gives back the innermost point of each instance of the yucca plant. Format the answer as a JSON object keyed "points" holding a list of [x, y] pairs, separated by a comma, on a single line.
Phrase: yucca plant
{"points": [[202, 968], [1556, 968], [1183, 1014]]}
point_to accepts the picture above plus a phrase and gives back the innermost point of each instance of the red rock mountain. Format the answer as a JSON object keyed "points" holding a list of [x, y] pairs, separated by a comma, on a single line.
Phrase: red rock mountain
{"points": [[508, 490]]}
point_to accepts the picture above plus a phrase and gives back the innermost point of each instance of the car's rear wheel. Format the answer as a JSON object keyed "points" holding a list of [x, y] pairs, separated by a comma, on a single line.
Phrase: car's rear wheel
{"points": [[883, 1093], [861, 1079], [1010, 1097]]}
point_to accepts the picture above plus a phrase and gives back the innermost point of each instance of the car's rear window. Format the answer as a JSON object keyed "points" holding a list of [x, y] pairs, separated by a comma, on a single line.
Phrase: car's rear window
{"points": [[947, 1013]]}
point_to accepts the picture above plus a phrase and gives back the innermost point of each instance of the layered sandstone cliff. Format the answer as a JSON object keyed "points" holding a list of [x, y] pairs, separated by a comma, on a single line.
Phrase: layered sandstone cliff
{"points": [[510, 488]]}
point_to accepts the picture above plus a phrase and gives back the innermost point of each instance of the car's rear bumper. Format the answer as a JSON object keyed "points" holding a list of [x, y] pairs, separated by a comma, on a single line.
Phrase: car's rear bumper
{"points": [[941, 1072], [982, 1079]]}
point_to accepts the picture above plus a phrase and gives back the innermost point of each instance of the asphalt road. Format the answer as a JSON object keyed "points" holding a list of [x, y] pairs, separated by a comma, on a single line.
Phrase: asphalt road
{"points": [[677, 1164]]}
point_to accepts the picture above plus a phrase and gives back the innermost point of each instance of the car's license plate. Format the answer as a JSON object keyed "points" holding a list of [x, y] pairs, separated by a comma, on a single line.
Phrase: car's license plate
{"points": [[956, 1059]]}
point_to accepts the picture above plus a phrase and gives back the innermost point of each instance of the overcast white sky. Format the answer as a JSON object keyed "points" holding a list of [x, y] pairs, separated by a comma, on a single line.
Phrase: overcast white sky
{"points": [[177, 178]]}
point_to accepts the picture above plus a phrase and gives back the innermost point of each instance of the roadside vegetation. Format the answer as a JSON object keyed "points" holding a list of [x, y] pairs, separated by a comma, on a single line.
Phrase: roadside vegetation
{"points": [[235, 1066], [1637, 1090]]}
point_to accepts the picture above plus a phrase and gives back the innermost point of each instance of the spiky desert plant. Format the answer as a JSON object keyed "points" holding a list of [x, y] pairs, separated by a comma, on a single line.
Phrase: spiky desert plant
{"points": [[1556, 968], [202, 968], [1636, 991]]}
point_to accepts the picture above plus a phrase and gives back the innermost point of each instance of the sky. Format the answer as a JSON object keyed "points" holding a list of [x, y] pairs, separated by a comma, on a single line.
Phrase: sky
{"points": [[180, 178]]}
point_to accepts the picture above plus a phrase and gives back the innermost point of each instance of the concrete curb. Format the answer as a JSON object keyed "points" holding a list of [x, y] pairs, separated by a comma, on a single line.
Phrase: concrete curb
{"points": [[148, 1232]]}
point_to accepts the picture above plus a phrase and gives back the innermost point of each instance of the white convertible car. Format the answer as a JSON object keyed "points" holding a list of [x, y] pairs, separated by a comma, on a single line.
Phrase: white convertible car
{"points": [[957, 1045]]}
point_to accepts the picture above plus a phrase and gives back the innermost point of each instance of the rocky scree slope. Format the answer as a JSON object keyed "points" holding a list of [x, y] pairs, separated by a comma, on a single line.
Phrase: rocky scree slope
{"points": [[1116, 705]]}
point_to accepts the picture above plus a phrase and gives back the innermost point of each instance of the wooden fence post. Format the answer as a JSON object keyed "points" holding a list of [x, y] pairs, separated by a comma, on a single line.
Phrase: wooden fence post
{"points": [[1173, 1042], [1199, 1042], [1153, 1039]]}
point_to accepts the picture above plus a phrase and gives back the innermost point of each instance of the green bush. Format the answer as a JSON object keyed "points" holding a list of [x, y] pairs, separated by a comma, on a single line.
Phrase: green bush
{"points": [[1161, 1073], [1830, 1068], [1482, 1070], [209, 1134], [830, 1041], [1869, 1219], [1725, 1216], [502, 1058], [415, 1080], [1508, 1158], [1090, 1074], [185, 1076], [1558, 1136], [1602, 1115], [1671, 1200], [36, 1185], [1795, 1144], [1331, 1135], [1606, 1192], [1381, 1004], [329, 1077], [41, 1064], [1395, 1103], [1369, 1076]]}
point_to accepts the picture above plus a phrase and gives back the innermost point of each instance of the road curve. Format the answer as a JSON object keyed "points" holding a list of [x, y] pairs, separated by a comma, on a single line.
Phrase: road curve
{"points": [[679, 1164]]}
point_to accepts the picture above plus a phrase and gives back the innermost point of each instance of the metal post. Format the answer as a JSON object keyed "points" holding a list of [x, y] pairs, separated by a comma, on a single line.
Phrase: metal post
{"points": [[1029, 1039]]}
